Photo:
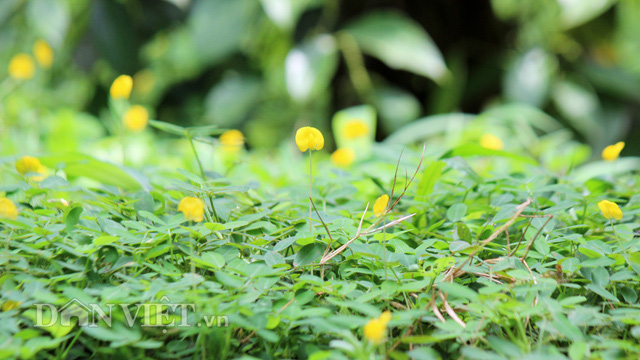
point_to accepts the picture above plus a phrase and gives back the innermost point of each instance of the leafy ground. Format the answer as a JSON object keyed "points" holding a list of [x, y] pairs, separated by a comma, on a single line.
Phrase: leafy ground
{"points": [[506, 255]]}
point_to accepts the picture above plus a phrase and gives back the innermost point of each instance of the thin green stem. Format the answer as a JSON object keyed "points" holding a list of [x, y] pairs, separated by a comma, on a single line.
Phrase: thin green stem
{"points": [[384, 252], [204, 176], [195, 153], [310, 190]]}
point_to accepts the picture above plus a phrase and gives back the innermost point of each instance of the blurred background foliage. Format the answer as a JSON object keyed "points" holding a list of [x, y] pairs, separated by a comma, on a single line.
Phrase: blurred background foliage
{"points": [[267, 67]]}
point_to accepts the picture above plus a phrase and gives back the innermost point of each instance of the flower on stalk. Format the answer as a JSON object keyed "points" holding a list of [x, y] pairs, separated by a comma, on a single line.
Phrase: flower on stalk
{"points": [[492, 142], [612, 152], [375, 330], [136, 118], [29, 164], [22, 67], [43, 53], [309, 138], [121, 87], [232, 140], [192, 208], [610, 210], [8, 209], [380, 206], [343, 157], [355, 128]]}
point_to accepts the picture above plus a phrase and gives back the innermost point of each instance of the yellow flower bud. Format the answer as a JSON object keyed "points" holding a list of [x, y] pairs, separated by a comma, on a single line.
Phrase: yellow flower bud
{"points": [[192, 208], [121, 87], [136, 118], [610, 210], [232, 140], [43, 53], [8, 210], [22, 67], [343, 157], [29, 164], [375, 330], [380, 206], [612, 152], [490, 141], [309, 138], [355, 128]]}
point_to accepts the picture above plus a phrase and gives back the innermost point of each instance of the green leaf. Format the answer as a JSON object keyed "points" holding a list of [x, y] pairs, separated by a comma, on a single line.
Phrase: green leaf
{"points": [[80, 165], [429, 177], [210, 259], [400, 43], [456, 290], [604, 168], [602, 292], [456, 212], [477, 150], [309, 254], [72, 218], [427, 127], [104, 240]]}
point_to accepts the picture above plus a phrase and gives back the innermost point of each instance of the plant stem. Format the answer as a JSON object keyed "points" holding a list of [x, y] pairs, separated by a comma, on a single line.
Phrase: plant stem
{"points": [[195, 153], [204, 177], [310, 190], [384, 252]]}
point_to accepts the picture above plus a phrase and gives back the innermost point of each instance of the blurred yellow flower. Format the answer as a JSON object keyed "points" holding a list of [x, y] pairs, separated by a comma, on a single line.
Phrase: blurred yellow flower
{"points": [[192, 208], [610, 210], [232, 140], [343, 157], [8, 209], [355, 128], [10, 305], [143, 82], [136, 118], [121, 87], [380, 206], [43, 53], [490, 141], [309, 138], [29, 164], [375, 330], [612, 152], [22, 67]]}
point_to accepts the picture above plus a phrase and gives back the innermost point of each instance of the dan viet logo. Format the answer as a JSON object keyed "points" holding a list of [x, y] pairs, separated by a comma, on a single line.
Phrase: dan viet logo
{"points": [[160, 314]]}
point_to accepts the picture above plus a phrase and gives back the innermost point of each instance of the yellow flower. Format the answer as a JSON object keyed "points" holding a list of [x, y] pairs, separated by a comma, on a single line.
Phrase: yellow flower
{"points": [[22, 67], [309, 138], [43, 53], [232, 140], [343, 157], [376, 329], [612, 152], [136, 118], [490, 141], [192, 208], [29, 164], [380, 206], [143, 82], [355, 128], [121, 87], [7, 209], [10, 305], [610, 210]]}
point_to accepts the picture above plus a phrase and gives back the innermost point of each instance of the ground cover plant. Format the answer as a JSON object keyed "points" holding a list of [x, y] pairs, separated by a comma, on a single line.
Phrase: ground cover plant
{"points": [[319, 179], [470, 250]]}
